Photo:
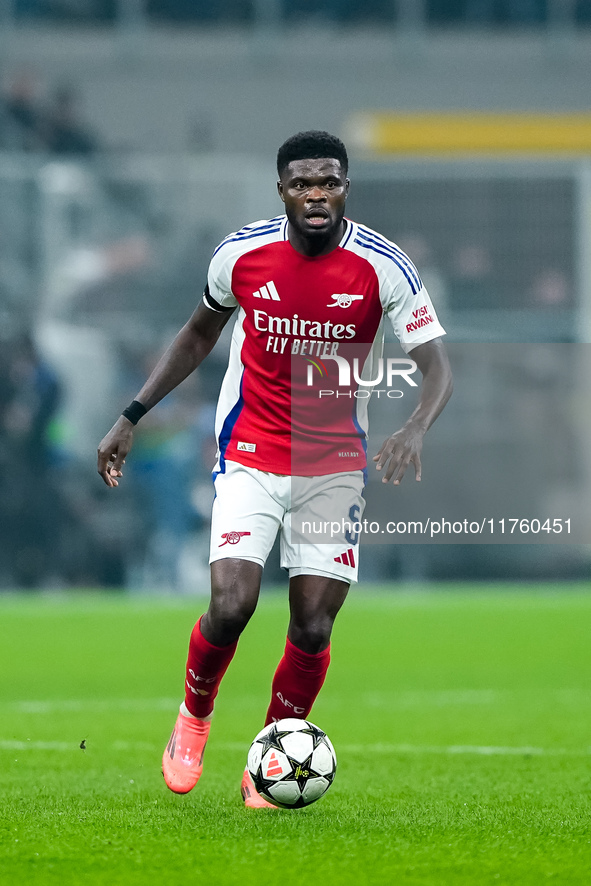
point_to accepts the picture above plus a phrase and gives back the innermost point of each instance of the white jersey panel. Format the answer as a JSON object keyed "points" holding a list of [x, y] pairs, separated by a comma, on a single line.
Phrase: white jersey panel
{"points": [[404, 299], [219, 276], [368, 374], [229, 400]]}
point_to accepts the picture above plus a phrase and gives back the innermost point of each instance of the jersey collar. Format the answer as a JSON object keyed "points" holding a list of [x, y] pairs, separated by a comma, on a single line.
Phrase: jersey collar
{"points": [[349, 230]]}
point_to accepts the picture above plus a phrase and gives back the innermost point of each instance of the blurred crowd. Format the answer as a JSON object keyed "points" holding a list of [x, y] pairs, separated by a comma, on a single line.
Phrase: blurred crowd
{"points": [[59, 527], [29, 399], [437, 12], [32, 122]]}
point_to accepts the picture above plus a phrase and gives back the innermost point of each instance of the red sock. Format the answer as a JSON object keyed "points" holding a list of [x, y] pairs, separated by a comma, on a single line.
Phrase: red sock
{"points": [[297, 681], [206, 665]]}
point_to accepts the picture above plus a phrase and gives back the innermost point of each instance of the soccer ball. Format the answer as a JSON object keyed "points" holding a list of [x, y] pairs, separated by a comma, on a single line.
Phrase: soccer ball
{"points": [[292, 763]]}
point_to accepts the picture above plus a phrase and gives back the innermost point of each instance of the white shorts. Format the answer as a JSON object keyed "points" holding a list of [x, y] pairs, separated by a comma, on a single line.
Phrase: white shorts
{"points": [[316, 516]]}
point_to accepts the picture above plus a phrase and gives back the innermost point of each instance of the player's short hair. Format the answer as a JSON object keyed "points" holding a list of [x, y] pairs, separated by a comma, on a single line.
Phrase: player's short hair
{"points": [[315, 144]]}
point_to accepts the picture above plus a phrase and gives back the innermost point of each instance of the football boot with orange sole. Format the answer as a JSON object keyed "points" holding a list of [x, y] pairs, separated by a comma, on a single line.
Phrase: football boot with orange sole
{"points": [[250, 795], [182, 761]]}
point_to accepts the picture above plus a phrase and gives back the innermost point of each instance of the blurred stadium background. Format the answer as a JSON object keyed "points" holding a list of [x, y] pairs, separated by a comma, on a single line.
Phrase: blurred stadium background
{"points": [[135, 134]]}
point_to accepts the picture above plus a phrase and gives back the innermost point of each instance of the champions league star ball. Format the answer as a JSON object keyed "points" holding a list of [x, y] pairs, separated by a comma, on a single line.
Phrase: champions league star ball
{"points": [[292, 763]]}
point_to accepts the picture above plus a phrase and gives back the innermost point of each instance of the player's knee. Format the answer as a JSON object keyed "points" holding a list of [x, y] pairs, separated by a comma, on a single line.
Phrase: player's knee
{"points": [[311, 636], [230, 623], [228, 615]]}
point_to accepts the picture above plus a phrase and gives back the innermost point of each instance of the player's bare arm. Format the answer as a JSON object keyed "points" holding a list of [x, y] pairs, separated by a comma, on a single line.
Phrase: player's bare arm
{"points": [[190, 347], [405, 446]]}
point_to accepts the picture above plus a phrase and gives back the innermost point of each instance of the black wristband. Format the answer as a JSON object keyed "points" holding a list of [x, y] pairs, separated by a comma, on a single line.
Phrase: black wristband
{"points": [[134, 411]]}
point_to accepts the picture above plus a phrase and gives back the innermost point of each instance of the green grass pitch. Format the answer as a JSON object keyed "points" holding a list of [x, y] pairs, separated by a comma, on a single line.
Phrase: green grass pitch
{"points": [[461, 720]]}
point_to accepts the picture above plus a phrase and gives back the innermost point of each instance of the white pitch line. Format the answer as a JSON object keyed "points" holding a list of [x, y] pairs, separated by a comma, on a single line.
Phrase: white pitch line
{"points": [[29, 745], [30, 706], [380, 749], [399, 700], [36, 746], [458, 750]]}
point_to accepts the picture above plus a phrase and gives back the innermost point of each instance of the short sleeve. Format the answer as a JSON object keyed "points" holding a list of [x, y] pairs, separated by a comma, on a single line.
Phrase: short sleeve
{"points": [[218, 294], [411, 313]]}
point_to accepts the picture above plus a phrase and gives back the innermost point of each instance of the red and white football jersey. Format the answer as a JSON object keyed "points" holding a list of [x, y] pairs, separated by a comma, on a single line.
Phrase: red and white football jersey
{"points": [[296, 312]]}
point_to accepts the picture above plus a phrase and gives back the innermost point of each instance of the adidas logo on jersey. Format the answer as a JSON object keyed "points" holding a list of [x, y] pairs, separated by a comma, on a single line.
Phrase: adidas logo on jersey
{"points": [[268, 291]]}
